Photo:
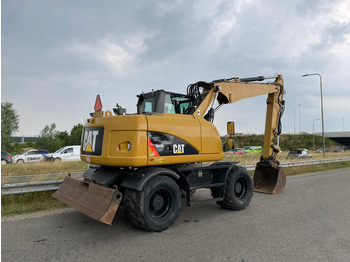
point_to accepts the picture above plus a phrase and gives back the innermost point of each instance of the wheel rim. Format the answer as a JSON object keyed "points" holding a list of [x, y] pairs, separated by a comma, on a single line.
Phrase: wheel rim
{"points": [[160, 203], [241, 188]]}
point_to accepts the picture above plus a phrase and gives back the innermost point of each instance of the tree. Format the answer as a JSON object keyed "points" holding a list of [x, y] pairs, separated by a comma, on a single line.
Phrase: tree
{"points": [[30, 143], [75, 134], [64, 137], [49, 139], [9, 124]]}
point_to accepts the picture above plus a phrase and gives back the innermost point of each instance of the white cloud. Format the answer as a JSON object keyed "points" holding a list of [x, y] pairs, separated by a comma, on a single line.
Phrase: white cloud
{"points": [[168, 45], [119, 59]]}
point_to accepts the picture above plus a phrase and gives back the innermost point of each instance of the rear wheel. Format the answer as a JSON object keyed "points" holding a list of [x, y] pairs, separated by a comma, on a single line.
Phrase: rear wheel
{"points": [[238, 190], [156, 207]]}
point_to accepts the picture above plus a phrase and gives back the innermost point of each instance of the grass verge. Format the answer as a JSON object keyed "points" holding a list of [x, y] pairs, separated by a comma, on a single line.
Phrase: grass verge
{"points": [[298, 170], [42, 168], [29, 203], [40, 201]]}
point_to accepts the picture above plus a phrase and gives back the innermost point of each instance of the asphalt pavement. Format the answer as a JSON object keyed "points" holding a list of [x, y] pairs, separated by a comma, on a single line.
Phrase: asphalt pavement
{"points": [[308, 221]]}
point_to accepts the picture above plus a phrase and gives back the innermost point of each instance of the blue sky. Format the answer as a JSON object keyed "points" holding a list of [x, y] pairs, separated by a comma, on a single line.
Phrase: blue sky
{"points": [[58, 55]]}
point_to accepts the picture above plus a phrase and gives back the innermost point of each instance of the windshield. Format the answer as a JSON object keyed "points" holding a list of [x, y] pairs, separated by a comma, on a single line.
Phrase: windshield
{"points": [[295, 152], [246, 147], [59, 150]]}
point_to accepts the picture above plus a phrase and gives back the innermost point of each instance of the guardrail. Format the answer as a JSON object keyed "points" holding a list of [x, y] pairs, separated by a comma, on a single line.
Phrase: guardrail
{"points": [[27, 187]]}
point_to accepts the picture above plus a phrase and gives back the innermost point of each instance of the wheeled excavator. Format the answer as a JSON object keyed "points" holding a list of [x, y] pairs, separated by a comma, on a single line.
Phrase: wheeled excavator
{"points": [[144, 161]]}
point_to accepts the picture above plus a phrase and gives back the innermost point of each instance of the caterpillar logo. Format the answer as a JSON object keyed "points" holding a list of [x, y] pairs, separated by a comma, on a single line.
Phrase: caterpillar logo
{"points": [[92, 141], [179, 148], [162, 144]]}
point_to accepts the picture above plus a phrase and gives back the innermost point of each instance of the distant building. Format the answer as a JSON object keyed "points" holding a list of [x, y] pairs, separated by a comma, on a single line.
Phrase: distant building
{"points": [[24, 139]]}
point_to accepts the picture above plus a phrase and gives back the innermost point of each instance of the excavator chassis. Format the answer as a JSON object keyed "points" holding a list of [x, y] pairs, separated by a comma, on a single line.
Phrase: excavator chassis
{"points": [[98, 202]]}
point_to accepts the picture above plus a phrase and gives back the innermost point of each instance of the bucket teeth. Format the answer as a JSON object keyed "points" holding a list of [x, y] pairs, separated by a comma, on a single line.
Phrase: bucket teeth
{"points": [[98, 202]]}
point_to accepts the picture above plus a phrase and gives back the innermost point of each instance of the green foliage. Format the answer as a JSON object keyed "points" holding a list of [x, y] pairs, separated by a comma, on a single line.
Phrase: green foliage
{"points": [[75, 134], [49, 139], [30, 143], [9, 125], [64, 138]]}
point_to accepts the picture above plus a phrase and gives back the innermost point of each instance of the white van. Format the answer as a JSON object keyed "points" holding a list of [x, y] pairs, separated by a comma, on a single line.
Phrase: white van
{"points": [[67, 153]]}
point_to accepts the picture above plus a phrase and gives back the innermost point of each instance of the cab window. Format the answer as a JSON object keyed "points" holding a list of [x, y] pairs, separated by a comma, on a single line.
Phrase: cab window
{"points": [[175, 104], [148, 105], [168, 105]]}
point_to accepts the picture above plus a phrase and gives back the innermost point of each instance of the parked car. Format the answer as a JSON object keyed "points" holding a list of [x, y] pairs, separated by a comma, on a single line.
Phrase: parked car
{"points": [[67, 153], [30, 156], [235, 151], [252, 149], [320, 150], [6, 158], [298, 153]]}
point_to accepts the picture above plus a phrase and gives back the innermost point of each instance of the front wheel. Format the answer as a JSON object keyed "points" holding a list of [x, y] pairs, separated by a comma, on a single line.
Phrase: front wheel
{"points": [[238, 190], [156, 207]]}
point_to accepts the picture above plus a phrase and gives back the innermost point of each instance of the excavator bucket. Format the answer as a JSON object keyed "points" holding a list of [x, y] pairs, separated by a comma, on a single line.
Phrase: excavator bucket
{"points": [[98, 202], [269, 179]]}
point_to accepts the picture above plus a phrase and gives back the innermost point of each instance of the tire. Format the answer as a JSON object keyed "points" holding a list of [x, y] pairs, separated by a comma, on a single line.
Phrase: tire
{"points": [[238, 190], [156, 207], [58, 159], [20, 161]]}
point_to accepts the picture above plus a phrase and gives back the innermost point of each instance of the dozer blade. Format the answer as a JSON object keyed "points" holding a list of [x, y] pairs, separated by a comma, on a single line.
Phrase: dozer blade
{"points": [[98, 202], [269, 179]]}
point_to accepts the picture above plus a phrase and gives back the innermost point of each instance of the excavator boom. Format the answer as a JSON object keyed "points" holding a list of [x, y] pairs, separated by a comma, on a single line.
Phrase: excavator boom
{"points": [[269, 177]]}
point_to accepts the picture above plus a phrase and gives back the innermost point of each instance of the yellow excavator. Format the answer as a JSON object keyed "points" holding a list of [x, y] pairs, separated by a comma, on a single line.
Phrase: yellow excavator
{"points": [[144, 161]]}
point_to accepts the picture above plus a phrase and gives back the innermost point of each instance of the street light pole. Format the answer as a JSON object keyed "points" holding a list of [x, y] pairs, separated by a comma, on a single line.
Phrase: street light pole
{"points": [[294, 121], [313, 131], [323, 138], [299, 120]]}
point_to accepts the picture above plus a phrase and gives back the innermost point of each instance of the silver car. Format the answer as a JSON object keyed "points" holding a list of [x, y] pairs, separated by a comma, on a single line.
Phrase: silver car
{"points": [[298, 153]]}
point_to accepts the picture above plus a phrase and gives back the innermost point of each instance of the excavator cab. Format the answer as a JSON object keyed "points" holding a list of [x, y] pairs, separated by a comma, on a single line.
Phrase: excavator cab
{"points": [[161, 101]]}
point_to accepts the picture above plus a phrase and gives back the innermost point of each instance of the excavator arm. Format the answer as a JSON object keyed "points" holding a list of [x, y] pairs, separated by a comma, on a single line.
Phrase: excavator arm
{"points": [[269, 177]]}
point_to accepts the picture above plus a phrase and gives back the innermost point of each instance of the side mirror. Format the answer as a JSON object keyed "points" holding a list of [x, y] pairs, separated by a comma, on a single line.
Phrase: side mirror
{"points": [[231, 132], [231, 128]]}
